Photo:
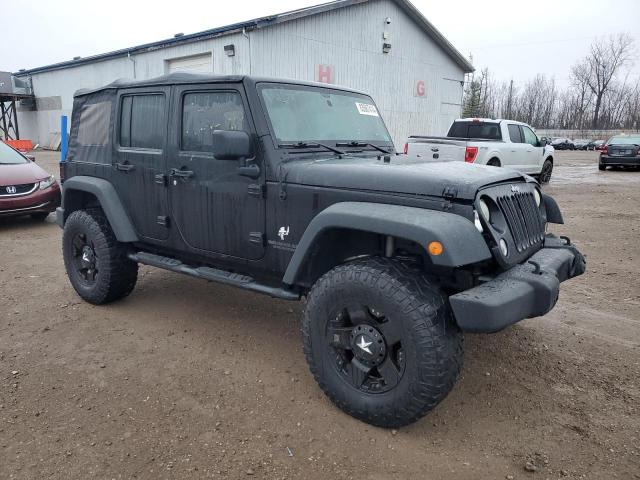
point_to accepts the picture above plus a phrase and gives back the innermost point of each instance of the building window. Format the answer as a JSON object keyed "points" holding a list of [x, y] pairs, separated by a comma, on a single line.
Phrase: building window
{"points": [[142, 121], [204, 112]]}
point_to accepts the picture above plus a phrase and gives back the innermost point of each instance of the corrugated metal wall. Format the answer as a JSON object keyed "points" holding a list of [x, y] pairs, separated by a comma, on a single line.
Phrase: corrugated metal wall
{"points": [[349, 39]]}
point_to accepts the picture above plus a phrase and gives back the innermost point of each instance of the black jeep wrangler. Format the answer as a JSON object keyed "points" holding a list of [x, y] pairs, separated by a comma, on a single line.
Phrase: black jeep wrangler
{"points": [[293, 189]]}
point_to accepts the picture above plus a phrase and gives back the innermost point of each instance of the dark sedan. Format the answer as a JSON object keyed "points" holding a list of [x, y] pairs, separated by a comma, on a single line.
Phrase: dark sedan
{"points": [[620, 151], [25, 188], [563, 144]]}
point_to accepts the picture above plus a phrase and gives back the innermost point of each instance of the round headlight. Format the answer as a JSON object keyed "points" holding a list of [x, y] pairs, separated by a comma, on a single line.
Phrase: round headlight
{"points": [[536, 196], [503, 247], [484, 210]]}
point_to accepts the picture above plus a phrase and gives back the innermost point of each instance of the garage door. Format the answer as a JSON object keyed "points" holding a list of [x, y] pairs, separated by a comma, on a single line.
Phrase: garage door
{"points": [[193, 64]]}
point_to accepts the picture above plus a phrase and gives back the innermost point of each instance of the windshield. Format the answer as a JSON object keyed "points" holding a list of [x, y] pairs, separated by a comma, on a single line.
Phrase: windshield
{"points": [[624, 140], [308, 114], [8, 156]]}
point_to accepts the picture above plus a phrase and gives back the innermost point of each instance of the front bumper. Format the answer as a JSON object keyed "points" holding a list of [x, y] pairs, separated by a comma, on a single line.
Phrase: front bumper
{"points": [[619, 161], [527, 290], [40, 201]]}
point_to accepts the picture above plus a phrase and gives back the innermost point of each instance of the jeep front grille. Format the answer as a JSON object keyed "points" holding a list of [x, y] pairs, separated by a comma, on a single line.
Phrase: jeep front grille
{"points": [[523, 218]]}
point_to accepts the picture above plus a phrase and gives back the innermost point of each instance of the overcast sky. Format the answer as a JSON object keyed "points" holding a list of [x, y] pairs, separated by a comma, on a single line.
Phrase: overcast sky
{"points": [[514, 39]]}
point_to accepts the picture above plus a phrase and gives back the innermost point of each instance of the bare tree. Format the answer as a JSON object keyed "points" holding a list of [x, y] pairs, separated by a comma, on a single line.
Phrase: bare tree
{"points": [[602, 65]]}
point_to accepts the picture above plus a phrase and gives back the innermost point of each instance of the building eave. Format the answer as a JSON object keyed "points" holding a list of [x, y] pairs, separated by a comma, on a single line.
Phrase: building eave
{"points": [[261, 22]]}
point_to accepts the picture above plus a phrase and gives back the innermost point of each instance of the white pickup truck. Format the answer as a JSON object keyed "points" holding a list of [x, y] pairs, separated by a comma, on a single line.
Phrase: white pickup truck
{"points": [[499, 143]]}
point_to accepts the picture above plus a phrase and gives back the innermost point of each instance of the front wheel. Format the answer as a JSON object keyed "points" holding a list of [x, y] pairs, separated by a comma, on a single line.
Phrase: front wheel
{"points": [[96, 263], [602, 167], [547, 170], [381, 341]]}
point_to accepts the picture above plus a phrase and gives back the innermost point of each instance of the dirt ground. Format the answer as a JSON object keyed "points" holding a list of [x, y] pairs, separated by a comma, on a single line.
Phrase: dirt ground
{"points": [[188, 379]]}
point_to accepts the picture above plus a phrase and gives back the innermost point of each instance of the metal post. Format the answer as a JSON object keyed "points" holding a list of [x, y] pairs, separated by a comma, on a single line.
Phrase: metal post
{"points": [[64, 138], [15, 119]]}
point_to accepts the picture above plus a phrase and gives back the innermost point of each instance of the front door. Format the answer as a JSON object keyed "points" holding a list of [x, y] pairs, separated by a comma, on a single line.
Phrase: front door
{"points": [[139, 162], [214, 208], [517, 149], [534, 151]]}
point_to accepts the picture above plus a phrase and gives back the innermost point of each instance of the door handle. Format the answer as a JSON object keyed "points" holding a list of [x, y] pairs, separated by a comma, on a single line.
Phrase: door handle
{"points": [[181, 173], [125, 167]]}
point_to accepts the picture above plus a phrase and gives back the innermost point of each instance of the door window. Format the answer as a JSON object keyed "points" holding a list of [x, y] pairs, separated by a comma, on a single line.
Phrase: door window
{"points": [[514, 133], [142, 121], [530, 137], [204, 112]]}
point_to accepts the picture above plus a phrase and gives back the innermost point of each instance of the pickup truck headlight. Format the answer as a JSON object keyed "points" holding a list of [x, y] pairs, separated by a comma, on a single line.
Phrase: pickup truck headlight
{"points": [[47, 182]]}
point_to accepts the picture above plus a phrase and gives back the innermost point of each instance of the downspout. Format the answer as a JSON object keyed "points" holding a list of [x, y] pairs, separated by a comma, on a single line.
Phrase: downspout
{"points": [[246, 35], [134, 63]]}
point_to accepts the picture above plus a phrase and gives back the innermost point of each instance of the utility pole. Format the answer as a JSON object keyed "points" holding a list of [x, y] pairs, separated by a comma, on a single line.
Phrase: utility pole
{"points": [[510, 100]]}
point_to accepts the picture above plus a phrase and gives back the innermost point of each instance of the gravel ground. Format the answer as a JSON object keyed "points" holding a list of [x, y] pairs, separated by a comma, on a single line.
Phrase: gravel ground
{"points": [[188, 379]]}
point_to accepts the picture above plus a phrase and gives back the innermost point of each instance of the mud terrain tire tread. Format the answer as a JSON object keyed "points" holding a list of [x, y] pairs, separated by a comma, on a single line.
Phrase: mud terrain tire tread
{"points": [[428, 325], [117, 275]]}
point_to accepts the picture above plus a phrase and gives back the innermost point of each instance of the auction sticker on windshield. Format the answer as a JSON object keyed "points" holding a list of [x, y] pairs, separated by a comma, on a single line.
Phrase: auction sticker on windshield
{"points": [[366, 109]]}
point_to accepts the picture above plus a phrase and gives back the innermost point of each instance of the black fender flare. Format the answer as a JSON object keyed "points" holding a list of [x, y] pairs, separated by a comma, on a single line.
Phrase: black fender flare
{"points": [[109, 201], [463, 243], [554, 214]]}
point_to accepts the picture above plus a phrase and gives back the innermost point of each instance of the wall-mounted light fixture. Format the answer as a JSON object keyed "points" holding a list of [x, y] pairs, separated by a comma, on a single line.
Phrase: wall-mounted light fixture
{"points": [[386, 47], [230, 50]]}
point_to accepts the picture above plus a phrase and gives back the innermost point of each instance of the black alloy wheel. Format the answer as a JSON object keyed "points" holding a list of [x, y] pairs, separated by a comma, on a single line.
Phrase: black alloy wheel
{"points": [[84, 258], [366, 348]]}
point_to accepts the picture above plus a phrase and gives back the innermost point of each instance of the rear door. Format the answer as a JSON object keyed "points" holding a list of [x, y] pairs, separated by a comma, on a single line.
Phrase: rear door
{"points": [[533, 151], [214, 208], [515, 157], [140, 159]]}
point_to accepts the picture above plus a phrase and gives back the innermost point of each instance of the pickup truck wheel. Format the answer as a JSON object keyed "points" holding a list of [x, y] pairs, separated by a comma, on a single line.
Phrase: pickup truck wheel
{"points": [[547, 170], [381, 341], [494, 162], [96, 263]]}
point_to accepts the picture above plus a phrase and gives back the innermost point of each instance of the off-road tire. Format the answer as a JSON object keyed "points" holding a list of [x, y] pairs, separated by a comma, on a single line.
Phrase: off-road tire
{"points": [[116, 274], [430, 337]]}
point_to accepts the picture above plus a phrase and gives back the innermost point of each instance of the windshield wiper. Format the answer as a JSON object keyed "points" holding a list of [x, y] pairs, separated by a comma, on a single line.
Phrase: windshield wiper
{"points": [[363, 144], [310, 145]]}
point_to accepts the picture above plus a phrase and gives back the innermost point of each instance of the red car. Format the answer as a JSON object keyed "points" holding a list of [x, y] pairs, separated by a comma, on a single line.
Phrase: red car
{"points": [[25, 188]]}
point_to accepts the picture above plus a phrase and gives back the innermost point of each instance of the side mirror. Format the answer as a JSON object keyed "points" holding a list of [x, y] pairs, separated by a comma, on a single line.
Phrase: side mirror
{"points": [[543, 142], [231, 144], [30, 157]]}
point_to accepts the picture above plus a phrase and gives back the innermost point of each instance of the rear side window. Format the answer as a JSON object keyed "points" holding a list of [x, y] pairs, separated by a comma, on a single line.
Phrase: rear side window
{"points": [[94, 124], [514, 134], [142, 121], [484, 130], [204, 112]]}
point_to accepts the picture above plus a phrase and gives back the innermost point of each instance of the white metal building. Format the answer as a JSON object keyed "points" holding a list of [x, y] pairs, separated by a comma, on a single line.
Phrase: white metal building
{"points": [[386, 48]]}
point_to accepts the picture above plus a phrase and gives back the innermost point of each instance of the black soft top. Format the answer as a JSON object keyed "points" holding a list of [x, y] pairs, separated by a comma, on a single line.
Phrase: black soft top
{"points": [[181, 78]]}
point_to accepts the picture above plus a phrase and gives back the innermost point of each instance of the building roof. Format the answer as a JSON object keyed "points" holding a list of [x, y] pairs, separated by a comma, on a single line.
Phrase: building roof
{"points": [[262, 22]]}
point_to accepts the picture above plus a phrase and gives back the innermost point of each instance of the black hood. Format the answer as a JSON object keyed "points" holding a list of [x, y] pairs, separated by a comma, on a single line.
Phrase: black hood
{"points": [[403, 174]]}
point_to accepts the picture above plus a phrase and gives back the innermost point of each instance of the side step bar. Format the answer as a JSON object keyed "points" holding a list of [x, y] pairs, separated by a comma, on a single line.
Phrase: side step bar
{"points": [[212, 274]]}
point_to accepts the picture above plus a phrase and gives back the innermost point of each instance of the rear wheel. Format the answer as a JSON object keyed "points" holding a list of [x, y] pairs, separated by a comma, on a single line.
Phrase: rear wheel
{"points": [[96, 263], [381, 341], [547, 170], [494, 162]]}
